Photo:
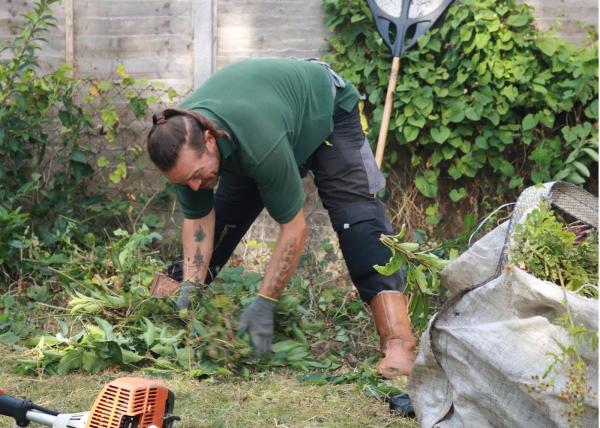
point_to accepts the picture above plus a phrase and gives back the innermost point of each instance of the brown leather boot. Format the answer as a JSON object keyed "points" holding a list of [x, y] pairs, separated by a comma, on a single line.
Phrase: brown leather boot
{"points": [[390, 314]]}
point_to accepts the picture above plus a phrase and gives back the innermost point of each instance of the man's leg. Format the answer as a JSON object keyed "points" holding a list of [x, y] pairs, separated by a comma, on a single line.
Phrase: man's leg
{"points": [[237, 203], [348, 179]]}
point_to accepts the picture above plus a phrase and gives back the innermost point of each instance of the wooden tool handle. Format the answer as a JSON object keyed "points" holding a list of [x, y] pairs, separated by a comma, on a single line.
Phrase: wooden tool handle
{"points": [[387, 111]]}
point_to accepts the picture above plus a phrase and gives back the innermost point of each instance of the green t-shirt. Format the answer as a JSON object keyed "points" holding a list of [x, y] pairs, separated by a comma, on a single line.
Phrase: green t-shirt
{"points": [[277, 111]]}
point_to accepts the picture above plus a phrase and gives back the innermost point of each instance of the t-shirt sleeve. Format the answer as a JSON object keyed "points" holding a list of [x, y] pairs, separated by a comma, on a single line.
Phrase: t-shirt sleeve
{"points": [[279, 184], [194, 204]]}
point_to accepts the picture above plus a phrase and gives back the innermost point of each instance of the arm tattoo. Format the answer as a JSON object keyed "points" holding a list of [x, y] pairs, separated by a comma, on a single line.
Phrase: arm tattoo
{"points": [[198, 261], [200, 235], [198, 258], [275, 287]]}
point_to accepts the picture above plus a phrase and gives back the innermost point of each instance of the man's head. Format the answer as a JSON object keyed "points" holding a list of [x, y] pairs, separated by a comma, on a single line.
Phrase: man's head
{"points": [[183, 145]]}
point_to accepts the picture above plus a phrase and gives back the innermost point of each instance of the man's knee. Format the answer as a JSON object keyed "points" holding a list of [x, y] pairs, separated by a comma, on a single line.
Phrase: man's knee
{"points": [[359, 227]]}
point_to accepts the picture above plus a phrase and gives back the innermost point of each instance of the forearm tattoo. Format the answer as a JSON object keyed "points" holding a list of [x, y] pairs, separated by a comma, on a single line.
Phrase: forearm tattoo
{"points": [[195, 265], [200, 235], [274, 287]]}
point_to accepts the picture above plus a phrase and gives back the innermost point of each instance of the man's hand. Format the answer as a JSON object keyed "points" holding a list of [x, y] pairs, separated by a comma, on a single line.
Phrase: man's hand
{"points": [[258, 320], [188, 292]]}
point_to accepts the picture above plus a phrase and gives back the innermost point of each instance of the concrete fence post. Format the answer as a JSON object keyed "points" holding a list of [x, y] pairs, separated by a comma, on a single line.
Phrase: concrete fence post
{"points": [[69, 40], [203, 23]]}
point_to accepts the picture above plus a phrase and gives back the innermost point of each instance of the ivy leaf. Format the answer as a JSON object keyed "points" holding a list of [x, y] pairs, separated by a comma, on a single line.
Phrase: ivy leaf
{"points": [[440, 134], [546, 118], [432, 215], [466, 33], [482, 40], [454, 114], [441, 92], [486, 14], [448, 152], [455, 172], [375, 97], [493, 117], [591, 111], [529, 122], [481, 142], [515, 182], [457, 194], [510, 92], [424, 103], [517, 20], [473, 114], [507, 169], [547, 45], [436, 157], [410, 133], [501, 9], [417, 121], [427, 184]]}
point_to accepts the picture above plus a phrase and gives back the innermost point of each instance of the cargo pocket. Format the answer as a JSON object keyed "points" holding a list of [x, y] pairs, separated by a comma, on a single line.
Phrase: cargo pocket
{"points": [[374, 176]]}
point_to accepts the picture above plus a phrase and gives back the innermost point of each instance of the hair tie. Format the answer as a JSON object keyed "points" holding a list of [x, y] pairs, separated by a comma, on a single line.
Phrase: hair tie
{"points": [[159, 119]]}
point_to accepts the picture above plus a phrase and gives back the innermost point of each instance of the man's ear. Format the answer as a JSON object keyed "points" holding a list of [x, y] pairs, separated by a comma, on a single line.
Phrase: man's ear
{"points": [[209, 139]]}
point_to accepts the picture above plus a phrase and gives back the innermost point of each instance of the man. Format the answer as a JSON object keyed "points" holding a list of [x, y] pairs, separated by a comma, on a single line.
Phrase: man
{"points": [[255, 128]]}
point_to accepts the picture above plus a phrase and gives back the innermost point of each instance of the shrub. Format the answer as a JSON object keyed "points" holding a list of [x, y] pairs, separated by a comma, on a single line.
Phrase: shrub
{"points": [[55, 129], [484, 94]]}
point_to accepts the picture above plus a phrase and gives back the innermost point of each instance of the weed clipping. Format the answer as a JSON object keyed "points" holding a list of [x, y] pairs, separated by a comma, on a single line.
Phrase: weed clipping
{"points": [[110, 318]]}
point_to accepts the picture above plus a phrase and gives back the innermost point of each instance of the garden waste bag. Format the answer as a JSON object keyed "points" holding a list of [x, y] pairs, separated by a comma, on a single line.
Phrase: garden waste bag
{"points": [[483, 356]]}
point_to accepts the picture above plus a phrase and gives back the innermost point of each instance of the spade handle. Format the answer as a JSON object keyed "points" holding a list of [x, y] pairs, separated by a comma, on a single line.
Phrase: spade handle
{"points": [[387, 111]]}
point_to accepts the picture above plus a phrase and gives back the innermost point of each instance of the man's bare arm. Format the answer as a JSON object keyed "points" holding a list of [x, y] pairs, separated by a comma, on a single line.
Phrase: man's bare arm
{"points": [[197, 238], [286, 254]]}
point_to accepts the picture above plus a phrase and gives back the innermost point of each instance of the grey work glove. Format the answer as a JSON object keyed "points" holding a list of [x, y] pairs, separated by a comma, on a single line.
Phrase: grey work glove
{"points": [[188, 292], [258, 320]]}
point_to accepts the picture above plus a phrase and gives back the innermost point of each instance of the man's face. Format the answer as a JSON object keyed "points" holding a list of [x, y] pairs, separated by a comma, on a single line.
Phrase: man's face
{"points": [[198, 171]]}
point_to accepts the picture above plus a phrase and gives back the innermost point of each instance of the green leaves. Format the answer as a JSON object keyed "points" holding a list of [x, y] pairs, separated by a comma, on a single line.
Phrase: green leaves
{"points": [[53, 126], [529, 122], [547, 45], [71, 360], [421, 269], [519, 20], [427, 183], [440, 135], [410, 133], [393, 265], [119, 173], [455, 113], [546, 248], [148, 332], [482, 40], [495, 90], [457, 194]]}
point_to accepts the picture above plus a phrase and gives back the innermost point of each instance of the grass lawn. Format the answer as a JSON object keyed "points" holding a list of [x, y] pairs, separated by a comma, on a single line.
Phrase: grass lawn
{"points": [[273, 399]]}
